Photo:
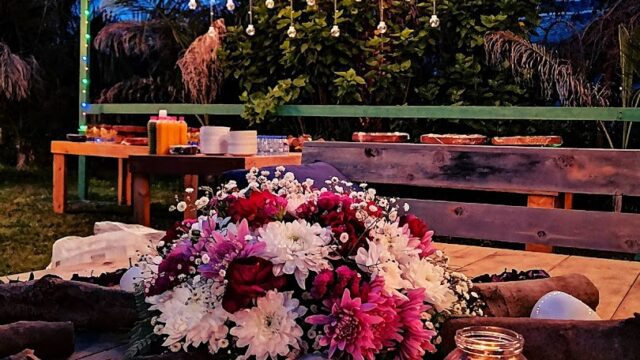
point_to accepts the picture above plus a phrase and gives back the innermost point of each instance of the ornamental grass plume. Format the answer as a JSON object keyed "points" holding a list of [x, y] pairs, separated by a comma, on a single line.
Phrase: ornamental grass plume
{"points": [[17, 74], [201, 71]]}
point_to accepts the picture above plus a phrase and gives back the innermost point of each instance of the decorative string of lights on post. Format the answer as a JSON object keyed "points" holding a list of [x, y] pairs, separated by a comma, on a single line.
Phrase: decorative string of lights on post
{"points": [[434, 21]]}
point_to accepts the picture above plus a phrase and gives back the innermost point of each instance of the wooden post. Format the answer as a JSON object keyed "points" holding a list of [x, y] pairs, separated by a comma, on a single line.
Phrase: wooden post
{"points": [[191, 181], [547, 202], [124, 182], [141, 199], [59, 183]]}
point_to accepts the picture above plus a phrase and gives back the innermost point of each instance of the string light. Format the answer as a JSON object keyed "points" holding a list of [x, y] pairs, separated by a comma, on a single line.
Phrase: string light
{"points": [[193, 4], [382, 26], [434, 21], [335, 30], [269, 4], [291, 31], [250, 29]]}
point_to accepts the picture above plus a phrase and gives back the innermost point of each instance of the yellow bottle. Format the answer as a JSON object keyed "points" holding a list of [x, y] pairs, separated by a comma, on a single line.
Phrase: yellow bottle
{"points": [[184, 132]]}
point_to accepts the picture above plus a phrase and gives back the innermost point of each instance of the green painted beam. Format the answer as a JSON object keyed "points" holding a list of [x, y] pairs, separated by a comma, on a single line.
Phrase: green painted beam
{"points": [[83, 88], [398, 112]]}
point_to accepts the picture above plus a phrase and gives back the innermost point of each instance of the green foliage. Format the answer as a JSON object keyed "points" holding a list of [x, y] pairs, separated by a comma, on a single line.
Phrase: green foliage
{"points": [[411, 63]]}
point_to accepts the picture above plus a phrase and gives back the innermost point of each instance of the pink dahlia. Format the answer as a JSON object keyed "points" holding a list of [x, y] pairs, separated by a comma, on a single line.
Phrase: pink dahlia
{"points": [[349, 328], [387, 333], [416, 338]]}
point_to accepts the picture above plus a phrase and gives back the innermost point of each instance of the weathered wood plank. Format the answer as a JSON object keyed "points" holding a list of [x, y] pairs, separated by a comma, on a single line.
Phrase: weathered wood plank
{"points": [[94, 345], [613, 278], [631, 302], [558, 227], [589, 171]]}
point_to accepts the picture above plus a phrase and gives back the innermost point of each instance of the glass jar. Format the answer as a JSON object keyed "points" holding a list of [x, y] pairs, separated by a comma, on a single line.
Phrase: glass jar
{"points": [[487, 343]]}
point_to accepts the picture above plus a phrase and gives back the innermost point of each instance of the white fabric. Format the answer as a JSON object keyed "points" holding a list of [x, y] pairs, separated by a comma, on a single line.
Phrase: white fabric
{"points": [[112, 241]]}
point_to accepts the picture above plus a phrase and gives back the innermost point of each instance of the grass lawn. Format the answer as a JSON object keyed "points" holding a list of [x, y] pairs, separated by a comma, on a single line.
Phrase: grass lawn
{"points": [[28, 225]]}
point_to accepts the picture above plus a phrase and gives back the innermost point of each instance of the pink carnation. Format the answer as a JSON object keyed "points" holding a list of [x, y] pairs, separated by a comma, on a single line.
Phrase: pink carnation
{"points": [[416, 338]]}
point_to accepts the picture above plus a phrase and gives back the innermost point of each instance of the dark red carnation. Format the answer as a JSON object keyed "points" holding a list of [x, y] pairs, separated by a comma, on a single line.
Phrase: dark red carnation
{"points": [[330, 284], [416, 226], [249, 278], [328, 200], [259, 208]]}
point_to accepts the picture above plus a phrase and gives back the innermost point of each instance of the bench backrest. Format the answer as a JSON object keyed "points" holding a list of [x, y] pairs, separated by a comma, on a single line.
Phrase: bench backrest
{"points": [[503, 169]]}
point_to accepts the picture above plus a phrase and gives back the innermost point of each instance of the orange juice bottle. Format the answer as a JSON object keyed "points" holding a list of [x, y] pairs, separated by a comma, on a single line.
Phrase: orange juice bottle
{"points": [[184, 129], [163, 136]]}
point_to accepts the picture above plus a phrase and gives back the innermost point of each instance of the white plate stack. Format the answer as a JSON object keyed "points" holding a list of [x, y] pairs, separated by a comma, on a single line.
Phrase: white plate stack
{"points": [[214, 140], [243, 142]]}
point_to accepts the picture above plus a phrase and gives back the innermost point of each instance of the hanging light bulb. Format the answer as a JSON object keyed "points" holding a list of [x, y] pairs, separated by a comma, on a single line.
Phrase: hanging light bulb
{"points": [[251, 30], [311, 2], [193, 4], [291, 32], [382, 27], [231, 5], [434, 21], [269, 4], [335, 31]]}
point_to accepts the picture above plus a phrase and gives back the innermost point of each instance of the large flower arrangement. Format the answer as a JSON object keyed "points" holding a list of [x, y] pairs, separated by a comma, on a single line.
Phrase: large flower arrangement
{"points": [[286, 269]]}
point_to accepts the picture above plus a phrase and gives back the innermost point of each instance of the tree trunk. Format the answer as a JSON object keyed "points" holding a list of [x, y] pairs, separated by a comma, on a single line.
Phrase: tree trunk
{"points": [[47, 339], [53, 299], [517, 298]]}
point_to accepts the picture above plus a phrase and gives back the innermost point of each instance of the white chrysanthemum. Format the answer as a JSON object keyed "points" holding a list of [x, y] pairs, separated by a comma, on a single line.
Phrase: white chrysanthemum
{"points": [[269, 329], [369, 260], [423, 274], [177, 313], [392, 275], [209, 330], [395, 241], [296, 248]]}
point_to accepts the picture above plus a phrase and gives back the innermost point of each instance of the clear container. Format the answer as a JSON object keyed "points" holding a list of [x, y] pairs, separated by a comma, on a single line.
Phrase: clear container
{"points": [[487, 343]]}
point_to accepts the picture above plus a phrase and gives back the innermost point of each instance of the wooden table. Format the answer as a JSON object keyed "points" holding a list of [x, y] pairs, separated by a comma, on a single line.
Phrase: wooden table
{"points": [[62, 149], [190, 167]]}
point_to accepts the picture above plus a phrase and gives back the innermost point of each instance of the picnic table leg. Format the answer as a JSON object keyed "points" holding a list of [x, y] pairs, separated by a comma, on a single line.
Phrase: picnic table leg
{"points": [[141, 199], [124, 182], [191, 181], [59, 183]]}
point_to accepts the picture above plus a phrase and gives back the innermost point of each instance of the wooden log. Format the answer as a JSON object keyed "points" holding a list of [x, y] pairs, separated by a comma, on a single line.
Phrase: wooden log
{"points": [[561, 339], [26, 354], [53, 299], [46, 339], [517, 298]]}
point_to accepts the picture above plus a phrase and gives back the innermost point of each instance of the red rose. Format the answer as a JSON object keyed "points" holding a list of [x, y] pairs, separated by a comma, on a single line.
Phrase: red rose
{"points": [[249, 278], [416, 226]]}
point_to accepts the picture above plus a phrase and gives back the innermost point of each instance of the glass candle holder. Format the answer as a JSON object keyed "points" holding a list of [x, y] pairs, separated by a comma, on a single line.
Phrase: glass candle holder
{"points": [[487, 343]]}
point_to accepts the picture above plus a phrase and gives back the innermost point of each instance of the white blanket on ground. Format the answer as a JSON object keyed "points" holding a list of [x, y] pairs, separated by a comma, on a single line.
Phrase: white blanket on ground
{"points": [[111, 241]]}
